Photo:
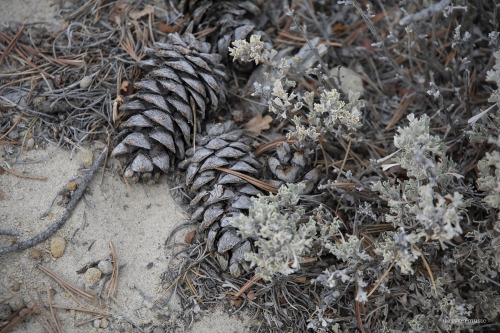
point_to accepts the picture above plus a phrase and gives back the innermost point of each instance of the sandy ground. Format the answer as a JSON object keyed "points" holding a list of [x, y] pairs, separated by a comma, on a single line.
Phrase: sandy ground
{"points": [[137, 224]]}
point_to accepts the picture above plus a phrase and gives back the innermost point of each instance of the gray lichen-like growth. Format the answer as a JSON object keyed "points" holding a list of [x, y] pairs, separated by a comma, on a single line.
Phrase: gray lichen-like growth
{"points": [[280, 232]]}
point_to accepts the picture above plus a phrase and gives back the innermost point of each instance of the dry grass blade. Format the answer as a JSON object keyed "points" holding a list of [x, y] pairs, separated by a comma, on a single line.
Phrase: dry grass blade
{"points": [[260, 184], [113, 284]]}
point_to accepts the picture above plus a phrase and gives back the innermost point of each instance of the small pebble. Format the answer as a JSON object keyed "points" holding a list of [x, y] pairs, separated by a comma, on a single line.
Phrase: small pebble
{"points": [[30, 144], [97, 323], [104, 323], [85, 82], [71, 186], [57, 246], [16, 303], [105, 266], [158, 330], [16, 286], [13, 135], [92, 275], [5, 312], [35, 254]]}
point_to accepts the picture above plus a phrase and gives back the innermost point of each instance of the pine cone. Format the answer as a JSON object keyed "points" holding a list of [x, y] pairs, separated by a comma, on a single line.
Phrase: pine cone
{"points": [[180, 88], [220, 196], [233, 20], [291, 165]]}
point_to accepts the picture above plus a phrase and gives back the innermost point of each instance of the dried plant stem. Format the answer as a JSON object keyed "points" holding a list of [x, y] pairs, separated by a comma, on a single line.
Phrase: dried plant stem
{"points": [[67, 213]]}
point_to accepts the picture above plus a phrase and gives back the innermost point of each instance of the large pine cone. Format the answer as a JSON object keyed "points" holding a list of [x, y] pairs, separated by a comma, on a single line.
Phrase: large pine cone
{"points": [[181, 86], [219, 196]]}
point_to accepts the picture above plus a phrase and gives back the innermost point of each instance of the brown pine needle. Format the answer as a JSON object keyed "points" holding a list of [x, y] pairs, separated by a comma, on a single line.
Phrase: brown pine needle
{"points": [[345, 158], [247, 285], [168, 289], [113, 284], [51, 306], [256, 182], [104, 314], [21, 175], [272, 144], [383, 276], [69, 287], [11, 45], [428, 268]]}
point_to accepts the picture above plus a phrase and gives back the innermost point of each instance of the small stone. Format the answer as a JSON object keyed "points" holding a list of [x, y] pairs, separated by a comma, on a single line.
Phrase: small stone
{"points": [[350, 81], [30, 143], [85, 82], [35, 254], [104, 323], [57, 246], [105, 266], [158, 330], [15, 303], [97, 323], [16, 286], [5, 312], [13, 135], [71, 186], [92, 275]]}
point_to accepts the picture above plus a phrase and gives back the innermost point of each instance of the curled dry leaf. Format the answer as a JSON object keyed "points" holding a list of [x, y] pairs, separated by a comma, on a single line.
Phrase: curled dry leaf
{"points": [[126, 89], [189, 237], [116, 14], [258, 123]]}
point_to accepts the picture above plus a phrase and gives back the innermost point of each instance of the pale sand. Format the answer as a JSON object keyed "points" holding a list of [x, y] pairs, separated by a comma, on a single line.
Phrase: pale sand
{"points": [[136, 224]]}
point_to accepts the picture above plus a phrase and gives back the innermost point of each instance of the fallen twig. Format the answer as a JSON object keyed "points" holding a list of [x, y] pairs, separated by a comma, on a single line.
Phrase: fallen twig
{"points": [[21, 175], [69, 209]]}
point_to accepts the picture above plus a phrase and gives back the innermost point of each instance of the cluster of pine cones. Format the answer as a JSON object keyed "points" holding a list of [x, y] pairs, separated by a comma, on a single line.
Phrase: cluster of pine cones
{"points": [[171, 124]]}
